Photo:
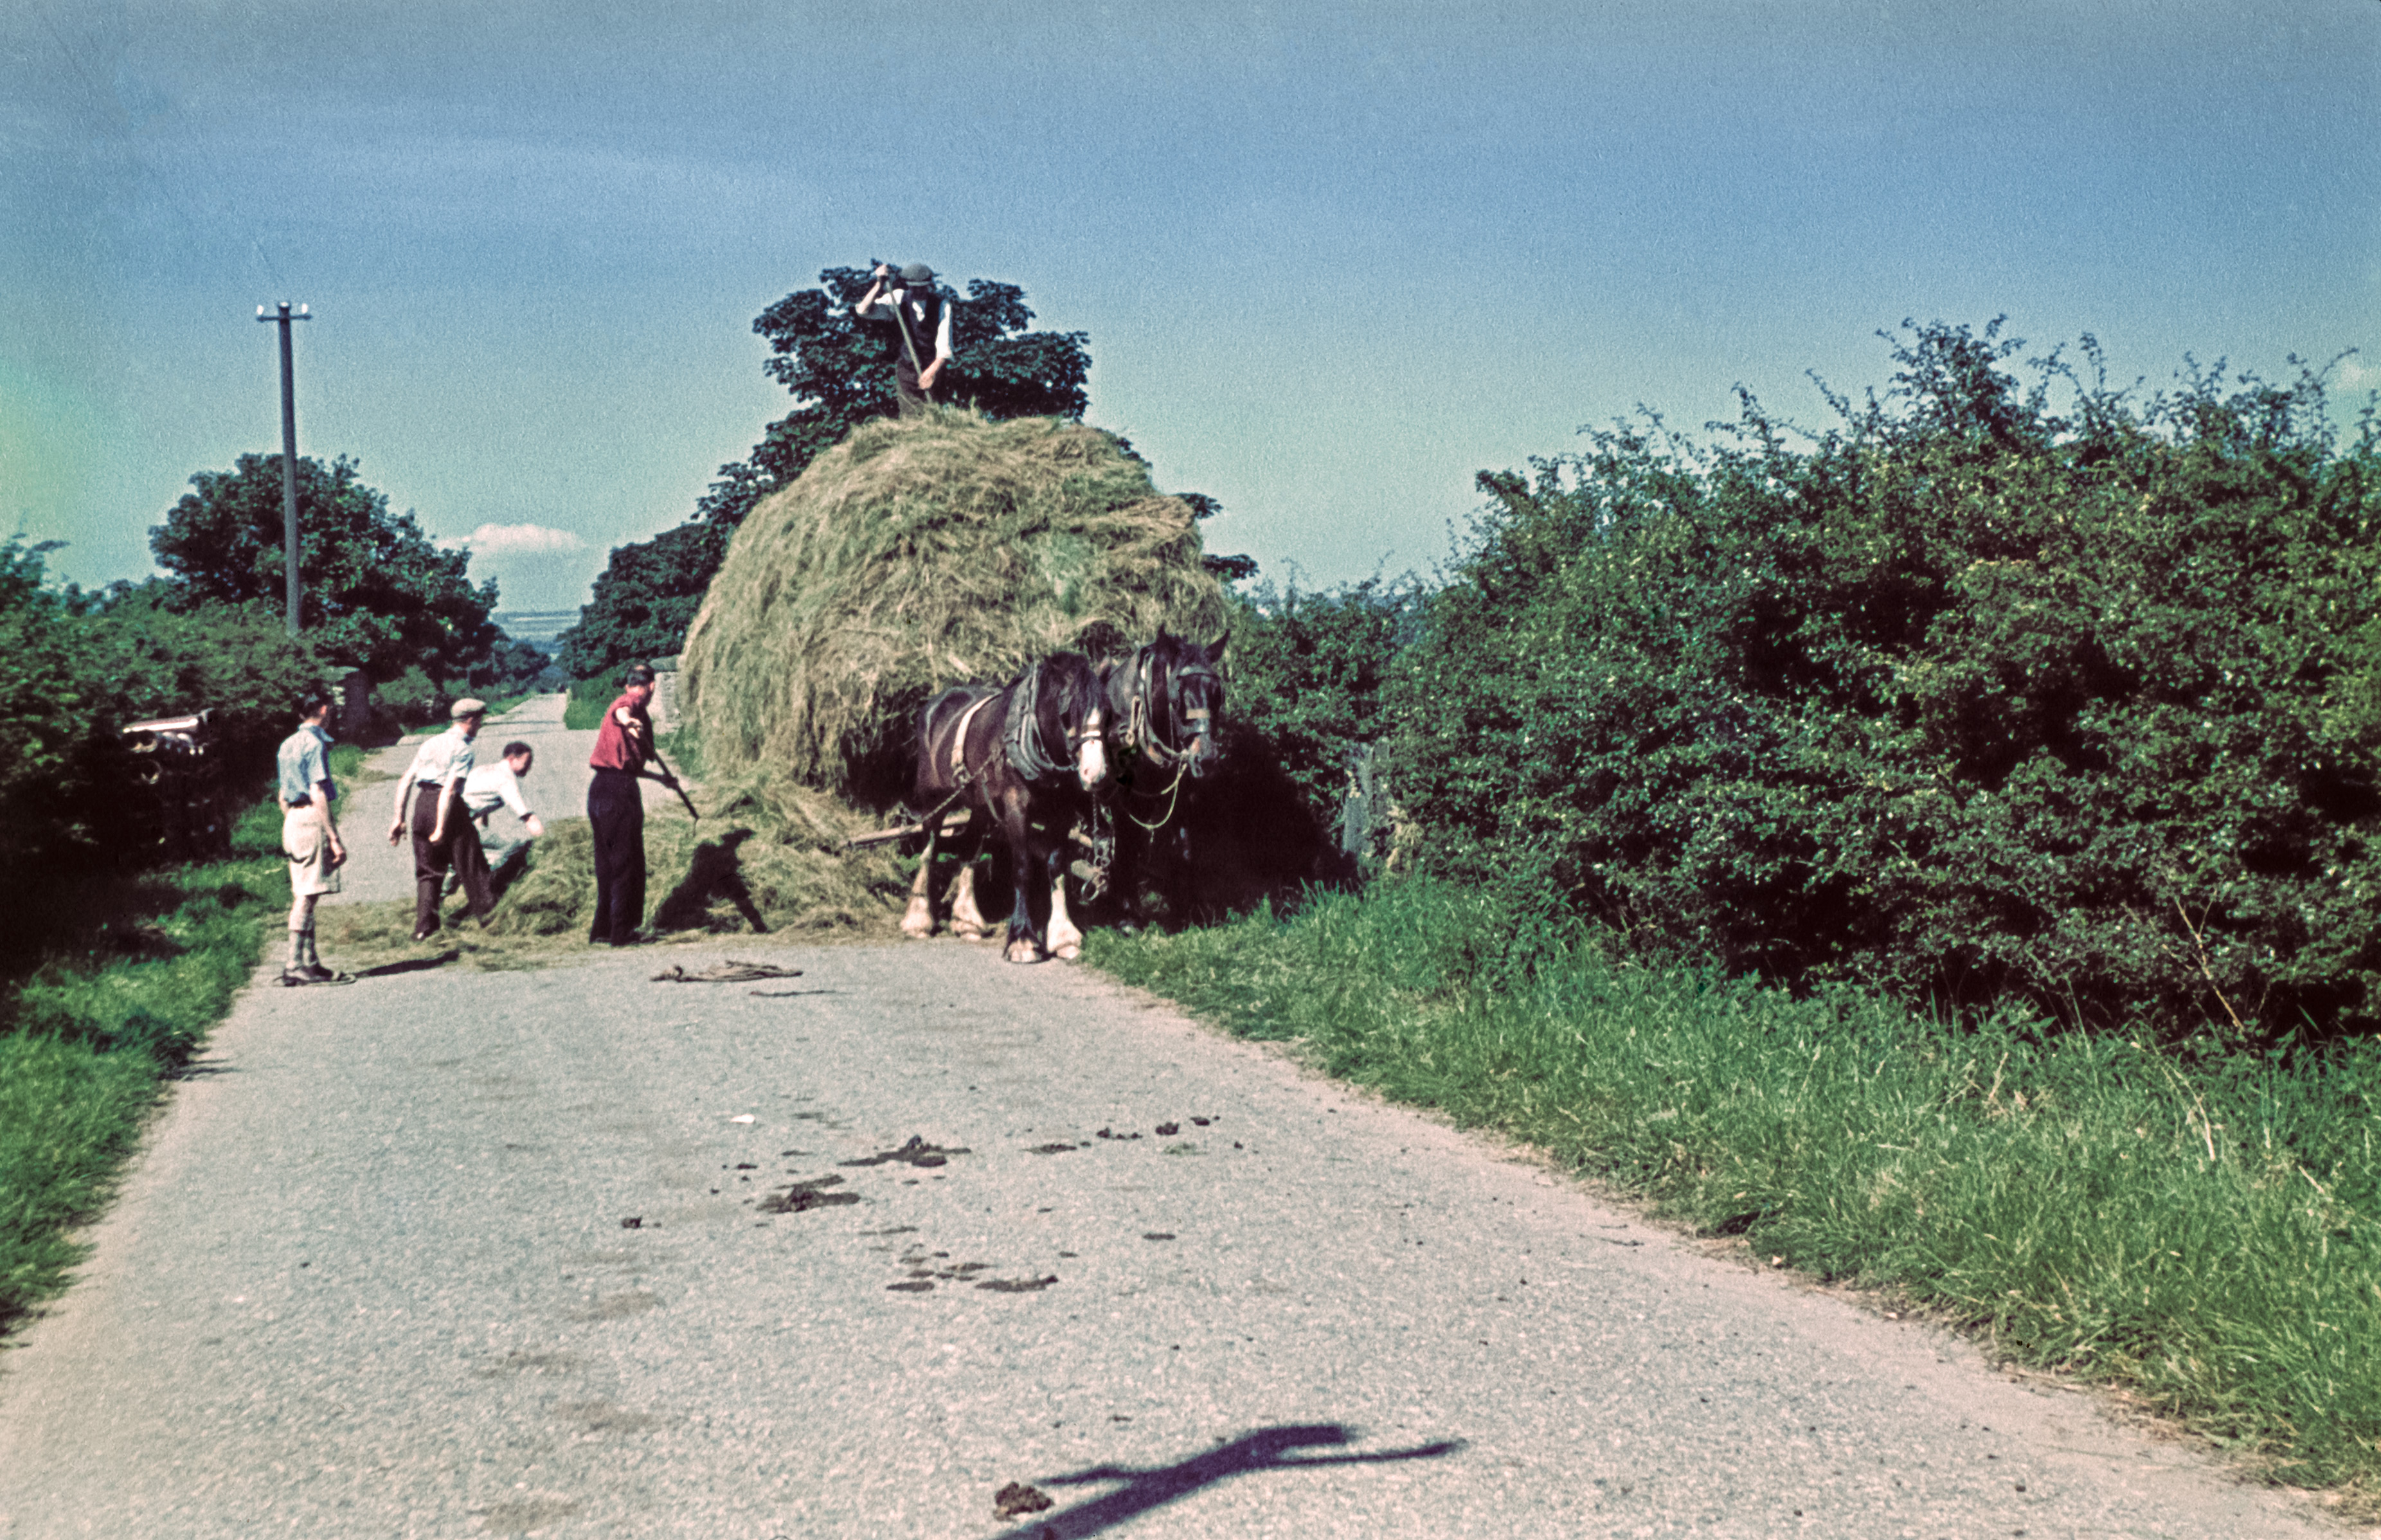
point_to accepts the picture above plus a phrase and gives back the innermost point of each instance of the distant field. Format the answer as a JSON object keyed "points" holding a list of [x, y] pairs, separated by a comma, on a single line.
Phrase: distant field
{"points": [[539, 627]]}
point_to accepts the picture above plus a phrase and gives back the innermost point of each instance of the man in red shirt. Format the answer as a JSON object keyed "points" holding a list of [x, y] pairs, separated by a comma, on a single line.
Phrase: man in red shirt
{"points": [[615, 808]]}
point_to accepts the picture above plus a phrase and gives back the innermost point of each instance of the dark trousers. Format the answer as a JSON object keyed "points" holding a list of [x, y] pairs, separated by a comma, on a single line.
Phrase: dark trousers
{"points": [[615, 809], [913, 397], [461, 849]]}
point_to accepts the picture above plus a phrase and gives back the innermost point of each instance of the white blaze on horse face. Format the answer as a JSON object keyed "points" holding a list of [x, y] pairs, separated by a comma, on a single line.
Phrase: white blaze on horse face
{"points": [[1092, 758], [1203, 741]]}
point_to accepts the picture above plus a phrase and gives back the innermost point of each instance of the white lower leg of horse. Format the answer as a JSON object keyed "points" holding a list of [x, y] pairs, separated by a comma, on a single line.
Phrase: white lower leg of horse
{"points": [[1066, 941], [918, 920], [967, 920]]}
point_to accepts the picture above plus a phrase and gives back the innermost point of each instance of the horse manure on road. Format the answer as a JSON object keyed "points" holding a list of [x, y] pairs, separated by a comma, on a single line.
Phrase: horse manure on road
{"points": [[803, 1196], [917, 1151], [1016, 1499], [1018, 1286]]}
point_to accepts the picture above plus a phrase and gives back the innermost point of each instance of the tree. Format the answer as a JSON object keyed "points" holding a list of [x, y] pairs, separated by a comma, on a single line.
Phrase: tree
{"points": [[379, 594], [840, 372], [644, 602]]}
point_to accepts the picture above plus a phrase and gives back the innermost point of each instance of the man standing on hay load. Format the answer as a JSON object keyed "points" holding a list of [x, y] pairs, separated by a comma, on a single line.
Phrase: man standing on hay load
{"points": [[916, 311], [615, 811]]}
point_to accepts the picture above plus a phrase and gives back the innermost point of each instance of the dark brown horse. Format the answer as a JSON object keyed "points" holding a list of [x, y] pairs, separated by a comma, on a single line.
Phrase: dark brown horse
{"points": [[1162, 703], [1027, 758]]}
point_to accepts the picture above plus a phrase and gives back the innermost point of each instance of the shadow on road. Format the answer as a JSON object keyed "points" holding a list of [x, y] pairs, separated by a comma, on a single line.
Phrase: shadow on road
{"points": [[716, 873], [1266, 1449], [411, 964]]}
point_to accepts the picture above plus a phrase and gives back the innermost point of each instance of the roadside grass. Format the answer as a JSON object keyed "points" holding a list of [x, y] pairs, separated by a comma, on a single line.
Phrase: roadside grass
{"points": [[583, 711], [2204, 1237], [93, 1016]]}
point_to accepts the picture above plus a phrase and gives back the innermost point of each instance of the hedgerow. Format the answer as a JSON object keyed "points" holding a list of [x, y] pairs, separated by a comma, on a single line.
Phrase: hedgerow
{"points": [[1992, 691]]}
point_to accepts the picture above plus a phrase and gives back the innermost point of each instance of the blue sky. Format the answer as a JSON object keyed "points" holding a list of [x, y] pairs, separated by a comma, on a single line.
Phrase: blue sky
{"points": [[1332, 259]]}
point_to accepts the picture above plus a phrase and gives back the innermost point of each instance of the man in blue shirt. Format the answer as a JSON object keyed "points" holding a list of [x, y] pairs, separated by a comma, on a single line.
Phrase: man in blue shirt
{"points": [[309, 835]]}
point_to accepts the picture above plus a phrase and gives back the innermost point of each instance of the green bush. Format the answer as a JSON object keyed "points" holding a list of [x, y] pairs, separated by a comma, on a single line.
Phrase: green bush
{"points": [[164, 656], [1307, 672], [1970, 698], [584, 709]]}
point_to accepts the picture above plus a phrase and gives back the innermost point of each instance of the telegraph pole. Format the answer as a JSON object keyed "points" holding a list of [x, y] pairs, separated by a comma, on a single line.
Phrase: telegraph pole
{"points": [[288, 452]]}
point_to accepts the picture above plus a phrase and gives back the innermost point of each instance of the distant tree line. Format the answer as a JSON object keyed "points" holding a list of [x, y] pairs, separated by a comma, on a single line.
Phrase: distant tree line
{"points": [[1997, 692]]}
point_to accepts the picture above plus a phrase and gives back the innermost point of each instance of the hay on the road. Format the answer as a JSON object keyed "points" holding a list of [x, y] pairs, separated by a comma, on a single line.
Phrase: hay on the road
{"points": [[915, 554], [753, 864]]}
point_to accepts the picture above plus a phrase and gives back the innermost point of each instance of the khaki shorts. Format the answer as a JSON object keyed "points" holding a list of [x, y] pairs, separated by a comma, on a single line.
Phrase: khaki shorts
{"points": [[302, 840]]}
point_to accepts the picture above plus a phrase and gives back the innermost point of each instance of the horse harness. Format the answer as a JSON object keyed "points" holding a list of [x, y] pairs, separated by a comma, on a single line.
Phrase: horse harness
{"points": [[1022, 738], [1142, 738], [1142, 734]]}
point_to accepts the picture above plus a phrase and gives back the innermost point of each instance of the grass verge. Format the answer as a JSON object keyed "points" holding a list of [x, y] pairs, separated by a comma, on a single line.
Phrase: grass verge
{"points": [[2200, 1236], [583, 710], [136, 968]]}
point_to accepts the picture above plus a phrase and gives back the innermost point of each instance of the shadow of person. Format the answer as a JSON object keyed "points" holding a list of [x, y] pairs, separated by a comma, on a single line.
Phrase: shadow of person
{"points": [[1266, 1449], [411, 964], [714, 873]]}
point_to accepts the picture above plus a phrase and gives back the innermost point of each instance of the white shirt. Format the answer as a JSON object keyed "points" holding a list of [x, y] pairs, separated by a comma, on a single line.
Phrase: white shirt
{"points": [[489, 787], [444, 761]]}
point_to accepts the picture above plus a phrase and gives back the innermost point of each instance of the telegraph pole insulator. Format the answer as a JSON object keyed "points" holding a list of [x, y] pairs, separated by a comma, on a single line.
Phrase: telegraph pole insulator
{"points": [[283, 316]]}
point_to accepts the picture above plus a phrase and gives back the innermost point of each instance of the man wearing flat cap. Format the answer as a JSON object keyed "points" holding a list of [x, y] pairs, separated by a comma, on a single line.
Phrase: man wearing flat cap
{"points": [[920, 319], [443, 834]]}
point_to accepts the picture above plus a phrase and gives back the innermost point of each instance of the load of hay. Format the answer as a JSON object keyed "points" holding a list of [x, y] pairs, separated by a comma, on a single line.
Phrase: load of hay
{"points": [[918, 553]]}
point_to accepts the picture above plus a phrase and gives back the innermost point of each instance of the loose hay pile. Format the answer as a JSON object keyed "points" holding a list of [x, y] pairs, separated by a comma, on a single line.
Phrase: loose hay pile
{"points": [[914, 554], [749, 865]]}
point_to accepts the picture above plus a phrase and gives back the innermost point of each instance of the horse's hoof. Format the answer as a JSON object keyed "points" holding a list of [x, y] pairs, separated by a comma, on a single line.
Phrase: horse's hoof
{"points": [[1026, 951], [917, 932], [1066, 953], [971, 933]]}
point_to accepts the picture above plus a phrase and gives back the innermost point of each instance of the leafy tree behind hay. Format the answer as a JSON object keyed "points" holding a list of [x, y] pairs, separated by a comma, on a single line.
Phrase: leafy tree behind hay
{"points": [[1972, 698]]}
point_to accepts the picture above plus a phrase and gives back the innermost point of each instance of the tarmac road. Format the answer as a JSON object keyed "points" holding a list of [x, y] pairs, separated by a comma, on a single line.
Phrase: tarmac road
{"points": [[448, 1253]]}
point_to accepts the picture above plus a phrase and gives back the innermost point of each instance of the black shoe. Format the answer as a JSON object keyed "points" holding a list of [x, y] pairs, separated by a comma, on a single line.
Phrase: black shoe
{"points": [[292, 978]]}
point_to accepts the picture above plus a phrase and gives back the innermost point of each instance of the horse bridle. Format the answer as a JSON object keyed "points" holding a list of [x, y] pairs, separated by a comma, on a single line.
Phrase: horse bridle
{"points": [[1143, 735]]}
